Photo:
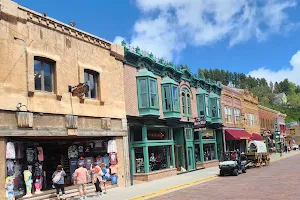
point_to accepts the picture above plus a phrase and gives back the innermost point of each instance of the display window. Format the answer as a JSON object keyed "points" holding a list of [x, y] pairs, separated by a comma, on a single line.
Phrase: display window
{"points": [[209, 152], [197, 153], [154, 133], [32, 162], [159, 157], [139, 160]]}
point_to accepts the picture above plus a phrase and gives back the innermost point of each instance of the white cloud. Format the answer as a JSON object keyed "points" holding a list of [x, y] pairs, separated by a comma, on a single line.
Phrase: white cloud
{"points": [[118, 40], [291, 73], [168, 26]]}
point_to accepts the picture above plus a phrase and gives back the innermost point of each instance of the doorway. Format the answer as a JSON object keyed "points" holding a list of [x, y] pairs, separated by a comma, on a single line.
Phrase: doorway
{"points": [[179, 157]]}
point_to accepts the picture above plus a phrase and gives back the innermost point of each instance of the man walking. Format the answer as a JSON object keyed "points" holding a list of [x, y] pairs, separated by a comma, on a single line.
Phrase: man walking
{"points": [[80, 179]]}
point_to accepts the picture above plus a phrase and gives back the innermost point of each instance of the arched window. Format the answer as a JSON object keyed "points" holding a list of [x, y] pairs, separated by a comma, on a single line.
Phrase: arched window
{"points": [[186, 102]]}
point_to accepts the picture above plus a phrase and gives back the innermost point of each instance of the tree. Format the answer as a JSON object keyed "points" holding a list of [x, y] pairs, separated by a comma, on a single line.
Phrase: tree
{"points": [[271, 86], [276, 88]]}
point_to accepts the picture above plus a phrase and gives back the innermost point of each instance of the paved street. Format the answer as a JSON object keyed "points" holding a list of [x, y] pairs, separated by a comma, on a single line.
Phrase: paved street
{"points": [[280, 180]]}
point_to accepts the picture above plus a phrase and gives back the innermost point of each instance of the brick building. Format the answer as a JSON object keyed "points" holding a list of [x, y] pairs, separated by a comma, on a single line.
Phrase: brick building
{"points": [[42, 114], [162, 104]]}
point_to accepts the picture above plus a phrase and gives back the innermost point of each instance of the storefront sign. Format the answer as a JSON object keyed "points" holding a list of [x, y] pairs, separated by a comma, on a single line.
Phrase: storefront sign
{"points": [[156, 135], [79, 90], [200, 129], [199, 122]]}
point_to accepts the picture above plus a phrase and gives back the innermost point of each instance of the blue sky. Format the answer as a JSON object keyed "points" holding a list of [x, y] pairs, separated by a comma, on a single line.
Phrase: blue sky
{"points": [[257, 37]]}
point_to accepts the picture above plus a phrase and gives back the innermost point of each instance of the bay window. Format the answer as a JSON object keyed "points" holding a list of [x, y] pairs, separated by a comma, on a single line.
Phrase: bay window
{"points": [[170, 98], [186, 102]]}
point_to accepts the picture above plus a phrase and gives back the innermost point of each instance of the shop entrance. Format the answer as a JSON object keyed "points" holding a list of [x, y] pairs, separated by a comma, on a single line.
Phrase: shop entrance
{"points": [[180, 160], [190, 158]]}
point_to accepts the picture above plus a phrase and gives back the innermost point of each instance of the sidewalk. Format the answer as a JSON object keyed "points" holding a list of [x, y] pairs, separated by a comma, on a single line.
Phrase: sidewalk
{"points": [[154, 188]]}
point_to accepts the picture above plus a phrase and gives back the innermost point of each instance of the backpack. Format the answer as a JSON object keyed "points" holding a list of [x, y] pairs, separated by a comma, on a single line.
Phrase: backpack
{"points": [[57, 177]]}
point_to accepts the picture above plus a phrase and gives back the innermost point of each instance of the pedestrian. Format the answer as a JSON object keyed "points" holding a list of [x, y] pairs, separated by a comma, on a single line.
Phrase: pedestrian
{"points": [[97, 178], [104, 177], [58, 179], [81, 179]]}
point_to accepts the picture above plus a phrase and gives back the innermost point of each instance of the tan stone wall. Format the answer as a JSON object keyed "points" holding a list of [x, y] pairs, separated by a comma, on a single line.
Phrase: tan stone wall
{"points": [[72, 50], [250, 106], [155, 175]]}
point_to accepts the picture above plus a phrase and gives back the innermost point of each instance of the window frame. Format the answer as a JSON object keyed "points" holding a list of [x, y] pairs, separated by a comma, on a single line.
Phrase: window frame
{"points": [[170, 98], [95, 75], [147, 92], [186, 102], [226, 112], [236, 114], [201, 105], [52, 65]]}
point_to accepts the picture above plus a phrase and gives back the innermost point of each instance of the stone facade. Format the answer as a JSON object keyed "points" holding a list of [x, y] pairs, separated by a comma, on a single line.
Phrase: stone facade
{"points": [[266, 119], [27, 35]]}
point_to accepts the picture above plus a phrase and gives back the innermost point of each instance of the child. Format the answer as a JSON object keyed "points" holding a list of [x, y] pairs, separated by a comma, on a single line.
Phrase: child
{"points": [[104, 178]]}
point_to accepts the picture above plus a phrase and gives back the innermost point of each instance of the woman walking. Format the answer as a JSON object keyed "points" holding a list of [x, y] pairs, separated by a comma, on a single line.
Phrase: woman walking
{"points": [[58, 179], [97, 177]]}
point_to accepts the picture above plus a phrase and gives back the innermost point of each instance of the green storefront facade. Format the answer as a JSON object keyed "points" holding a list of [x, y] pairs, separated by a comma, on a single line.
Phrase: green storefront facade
{"points": [[162, 137]]}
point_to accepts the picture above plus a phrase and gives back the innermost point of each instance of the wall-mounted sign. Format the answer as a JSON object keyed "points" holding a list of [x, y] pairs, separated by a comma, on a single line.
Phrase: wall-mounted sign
{"points": [[199, 122], [79, 90]]}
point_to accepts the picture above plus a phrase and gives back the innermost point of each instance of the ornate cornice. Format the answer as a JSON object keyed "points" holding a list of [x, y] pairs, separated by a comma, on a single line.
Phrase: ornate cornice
{"points": [[138, 58], [51, 23]]}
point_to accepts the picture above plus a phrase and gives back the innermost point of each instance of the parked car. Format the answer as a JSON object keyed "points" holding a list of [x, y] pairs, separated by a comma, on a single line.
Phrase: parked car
{"points": [[295, 147]]}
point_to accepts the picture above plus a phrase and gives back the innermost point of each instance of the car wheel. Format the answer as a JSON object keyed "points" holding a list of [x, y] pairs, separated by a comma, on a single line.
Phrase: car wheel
{"points": [[222, 173], [235, 172], [244, 170]]}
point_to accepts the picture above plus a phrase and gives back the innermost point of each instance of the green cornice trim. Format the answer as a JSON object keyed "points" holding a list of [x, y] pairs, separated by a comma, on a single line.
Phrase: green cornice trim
{"points": [[138, 58], [145, 73], [201, 91], [168, 80], [213, 95]]}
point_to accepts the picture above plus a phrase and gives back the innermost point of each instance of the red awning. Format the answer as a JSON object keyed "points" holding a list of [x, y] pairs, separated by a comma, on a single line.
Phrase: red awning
{"points": [[236, 135], [255, 136]]}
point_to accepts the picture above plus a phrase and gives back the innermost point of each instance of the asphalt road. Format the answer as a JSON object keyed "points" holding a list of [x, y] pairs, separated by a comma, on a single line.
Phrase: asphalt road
{"points": [[280, 180]]}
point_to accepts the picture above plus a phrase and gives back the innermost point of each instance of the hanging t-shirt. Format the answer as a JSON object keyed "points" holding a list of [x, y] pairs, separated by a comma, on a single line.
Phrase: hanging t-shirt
{"points": [[40, 154], [105, 160], [72, 152], [80, 151], [38, 169], [112, 146], [73, 167], [113, 169], [10, 166], [19, 150], [31, 155], [113, 158], [88, 162], [10, 151]]}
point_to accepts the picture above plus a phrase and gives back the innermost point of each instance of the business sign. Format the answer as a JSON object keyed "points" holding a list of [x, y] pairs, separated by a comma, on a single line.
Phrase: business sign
{"points": [[199, 122], [79, 90]]}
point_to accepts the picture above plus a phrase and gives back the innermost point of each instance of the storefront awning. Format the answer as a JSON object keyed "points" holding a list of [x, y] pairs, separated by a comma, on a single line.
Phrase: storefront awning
{"points": [[236, 135], [256, 136]]}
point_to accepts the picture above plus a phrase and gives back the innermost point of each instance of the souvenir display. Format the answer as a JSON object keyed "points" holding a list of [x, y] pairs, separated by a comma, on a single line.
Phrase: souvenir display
{"points": [[72, 152], [10, 151], [31, 155], [40, 154], [112, 146], [113, 158], [9, 188], [105, 160], [28, 182], [38, 184]]}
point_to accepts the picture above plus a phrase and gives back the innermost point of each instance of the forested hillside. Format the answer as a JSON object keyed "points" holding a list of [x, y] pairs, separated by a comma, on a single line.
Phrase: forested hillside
{"points": [[265, 91]]}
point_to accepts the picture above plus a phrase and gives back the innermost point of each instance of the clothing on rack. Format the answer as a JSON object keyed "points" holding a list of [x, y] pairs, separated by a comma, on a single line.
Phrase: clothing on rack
{"points": [[112, 146]]}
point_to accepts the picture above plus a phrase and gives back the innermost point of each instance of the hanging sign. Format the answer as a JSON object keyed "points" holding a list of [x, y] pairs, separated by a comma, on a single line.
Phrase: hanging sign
{"points": [[79, 90], [156, 135], [199, 123]]}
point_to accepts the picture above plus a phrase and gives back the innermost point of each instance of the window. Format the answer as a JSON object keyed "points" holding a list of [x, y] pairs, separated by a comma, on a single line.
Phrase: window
{"points": [[196, 135], [159, 158], [43, 74], [215, 107], [228, 113], [207, 106], [139, 160], [209, 152], [91, 79], [188, 134], [201, 104], [197, 153], [147, 92], [262, 122], [237, 114], [170, 98], [251, 119], [186, 103], [154, 133], [136, 133]]}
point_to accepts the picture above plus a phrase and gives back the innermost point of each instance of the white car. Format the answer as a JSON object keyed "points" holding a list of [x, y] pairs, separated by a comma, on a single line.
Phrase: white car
{"points": [[295, 147]]}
